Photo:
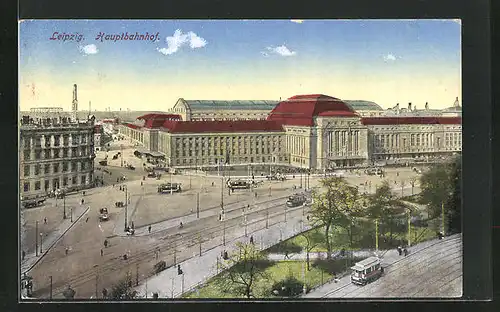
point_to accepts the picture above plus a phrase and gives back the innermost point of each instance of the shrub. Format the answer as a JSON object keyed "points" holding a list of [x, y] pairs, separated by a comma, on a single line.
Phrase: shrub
{"points": [[289, 287]]}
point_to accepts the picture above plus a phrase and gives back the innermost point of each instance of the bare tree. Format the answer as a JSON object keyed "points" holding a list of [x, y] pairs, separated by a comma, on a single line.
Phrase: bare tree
{"points": [[241, 270], [412, 183]]}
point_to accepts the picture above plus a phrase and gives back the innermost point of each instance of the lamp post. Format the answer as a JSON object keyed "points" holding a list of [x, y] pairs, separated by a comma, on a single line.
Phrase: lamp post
{"points": [[409, 227], [126, 208], [41, 237], [50, 287], [71, 213], [96, 266], [198, 205], [64, 207], [36, 238]]}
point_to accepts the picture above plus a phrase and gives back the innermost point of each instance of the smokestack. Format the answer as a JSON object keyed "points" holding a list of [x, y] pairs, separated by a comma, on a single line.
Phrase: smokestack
{"points": [[74, 107], [409, 106]]}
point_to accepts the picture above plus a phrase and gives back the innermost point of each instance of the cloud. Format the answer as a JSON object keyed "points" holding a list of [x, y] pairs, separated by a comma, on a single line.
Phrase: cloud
{"points": [[89, 49], [281, 50], [390, 57], [178, 40], [297, 21]]}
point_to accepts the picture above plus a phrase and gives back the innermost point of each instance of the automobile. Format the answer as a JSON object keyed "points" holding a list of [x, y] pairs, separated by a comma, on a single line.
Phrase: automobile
{"points": [[103, 163], [152, 174], [131, 167], [103, 214]]}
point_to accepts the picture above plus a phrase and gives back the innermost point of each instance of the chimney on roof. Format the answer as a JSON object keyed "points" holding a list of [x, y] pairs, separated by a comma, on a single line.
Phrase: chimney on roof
{"points": [[409, 106], [457, 103], [426, 105]]}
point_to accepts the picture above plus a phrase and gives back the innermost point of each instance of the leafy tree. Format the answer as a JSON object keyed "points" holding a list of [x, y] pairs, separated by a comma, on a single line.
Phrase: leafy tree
{"points": [[336, 206], [385, 206], [241, 270], [442, 185]]}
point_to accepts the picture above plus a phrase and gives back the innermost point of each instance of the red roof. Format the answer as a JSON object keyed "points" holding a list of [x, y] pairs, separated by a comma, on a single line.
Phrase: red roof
{"points": [[218, 126], [157, 120], [300, 110], [132, 126], [412, 120]]}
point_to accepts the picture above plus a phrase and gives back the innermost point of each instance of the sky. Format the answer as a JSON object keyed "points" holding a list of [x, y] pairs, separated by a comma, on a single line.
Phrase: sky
{"points": [[385, 61]]}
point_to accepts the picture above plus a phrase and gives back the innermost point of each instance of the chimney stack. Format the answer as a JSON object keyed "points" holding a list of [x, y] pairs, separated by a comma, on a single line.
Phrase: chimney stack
{"points": [[74, 107], [409, 106]]}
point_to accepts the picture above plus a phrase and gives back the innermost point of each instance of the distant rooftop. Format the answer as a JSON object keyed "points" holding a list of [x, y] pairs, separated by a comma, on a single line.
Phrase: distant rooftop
{"points": [[361, 105], [231, 105]]}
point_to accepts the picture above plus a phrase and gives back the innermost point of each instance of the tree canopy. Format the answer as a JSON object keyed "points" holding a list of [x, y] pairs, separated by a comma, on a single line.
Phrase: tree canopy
{"points": [[442, 185], [336, 205]]}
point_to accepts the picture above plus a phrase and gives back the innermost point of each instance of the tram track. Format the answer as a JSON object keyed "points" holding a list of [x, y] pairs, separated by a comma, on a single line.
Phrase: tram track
{"points": [[173, 241], [391, 266]]}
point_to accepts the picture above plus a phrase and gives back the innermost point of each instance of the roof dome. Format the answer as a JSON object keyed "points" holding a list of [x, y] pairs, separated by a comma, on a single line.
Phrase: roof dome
{"points": [[300, 110]]}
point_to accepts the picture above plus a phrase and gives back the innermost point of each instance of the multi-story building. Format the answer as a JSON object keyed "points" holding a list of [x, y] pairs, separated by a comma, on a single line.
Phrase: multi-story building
{"points": [[308, 131], [55, 153], [222, 110]]}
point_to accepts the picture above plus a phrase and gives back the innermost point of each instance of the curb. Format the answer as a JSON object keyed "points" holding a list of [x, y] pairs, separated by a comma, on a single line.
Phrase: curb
{"points": [[55, 242]]}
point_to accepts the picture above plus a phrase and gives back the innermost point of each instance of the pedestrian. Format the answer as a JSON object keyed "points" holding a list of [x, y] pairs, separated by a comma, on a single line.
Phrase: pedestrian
{"points": [[45, 220], [23, 254], [286, 255], [83, 193], [102, 252], [66, 250], [87, 220], [405, 251], [399, 250], [105, 243], [397, 174], [220, 217], [132, 225], [149, 229], [251, 240]]}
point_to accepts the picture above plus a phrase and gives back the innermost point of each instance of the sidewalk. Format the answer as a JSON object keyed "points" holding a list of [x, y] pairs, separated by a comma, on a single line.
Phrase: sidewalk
{"points": [[197, 270], [322, 255], [50, 240]]}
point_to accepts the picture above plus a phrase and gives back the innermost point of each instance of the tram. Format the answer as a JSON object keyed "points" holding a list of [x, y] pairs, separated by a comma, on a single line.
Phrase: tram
{"points": [[296, 200], [169, 187], [238, 184], [366, 271]]}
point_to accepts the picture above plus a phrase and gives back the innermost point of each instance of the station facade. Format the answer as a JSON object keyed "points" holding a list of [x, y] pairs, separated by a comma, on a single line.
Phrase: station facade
{"points": [[307, 131]]}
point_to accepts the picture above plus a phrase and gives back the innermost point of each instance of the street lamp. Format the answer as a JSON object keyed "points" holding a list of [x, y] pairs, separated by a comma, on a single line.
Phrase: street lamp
{"points": [[41, 237], [126, 206], [64, 207], [36, 238], [96, 266]]}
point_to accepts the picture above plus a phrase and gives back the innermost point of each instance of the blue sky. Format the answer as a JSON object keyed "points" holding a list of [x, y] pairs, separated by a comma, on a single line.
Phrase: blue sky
{"points": [[379, 60]]}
